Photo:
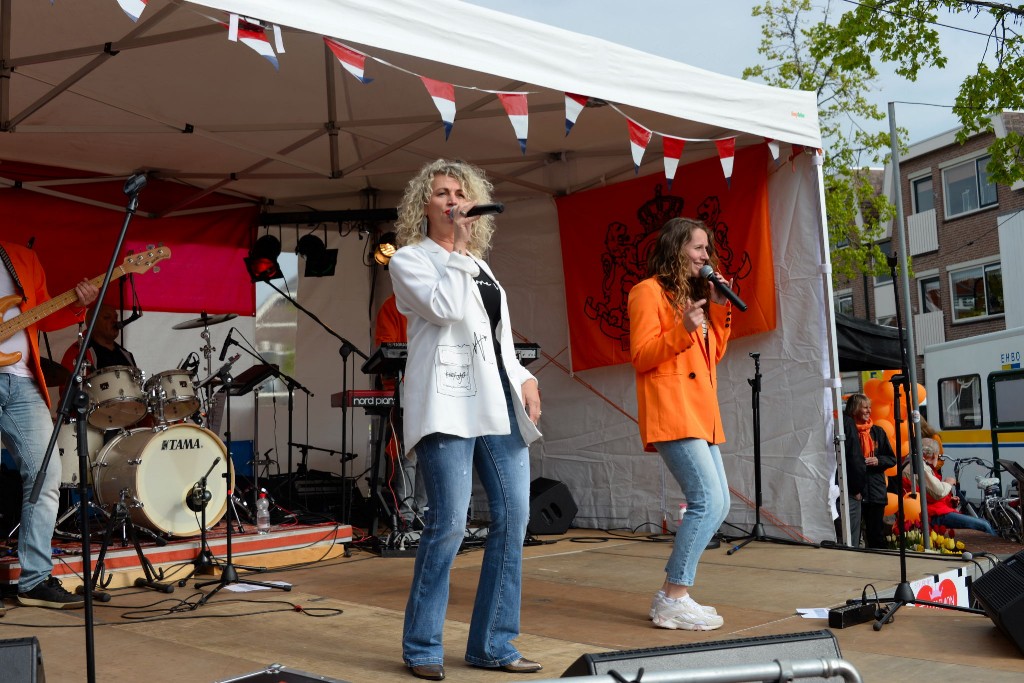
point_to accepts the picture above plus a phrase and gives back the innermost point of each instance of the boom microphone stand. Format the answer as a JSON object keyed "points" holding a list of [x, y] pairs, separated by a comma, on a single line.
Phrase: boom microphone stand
{"points": [[74, 395], [904, 594], [757, 533], [345, 350]]}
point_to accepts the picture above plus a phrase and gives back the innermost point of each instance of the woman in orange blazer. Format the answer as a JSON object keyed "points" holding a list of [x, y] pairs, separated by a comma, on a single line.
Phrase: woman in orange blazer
{"points": [[676, 340]]}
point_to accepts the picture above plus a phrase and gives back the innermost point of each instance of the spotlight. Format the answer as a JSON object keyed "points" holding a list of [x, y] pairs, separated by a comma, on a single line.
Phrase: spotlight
{"points": [[320, 261], [262, 259], [385, 249]]}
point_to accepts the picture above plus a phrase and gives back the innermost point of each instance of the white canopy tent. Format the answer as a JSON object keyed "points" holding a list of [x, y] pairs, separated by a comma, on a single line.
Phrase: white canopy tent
{"points": [[171, 95]]}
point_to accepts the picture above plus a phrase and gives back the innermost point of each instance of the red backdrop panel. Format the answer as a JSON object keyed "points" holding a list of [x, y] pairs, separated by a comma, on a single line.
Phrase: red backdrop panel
{"points": [[75, 241]]}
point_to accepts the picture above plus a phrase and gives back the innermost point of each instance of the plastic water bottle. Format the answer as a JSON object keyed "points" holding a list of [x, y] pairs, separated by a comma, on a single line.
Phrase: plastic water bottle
{"points": [[262, 514]]}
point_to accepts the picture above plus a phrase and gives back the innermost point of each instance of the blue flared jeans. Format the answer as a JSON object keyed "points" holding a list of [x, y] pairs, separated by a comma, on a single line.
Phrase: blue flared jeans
{"points": [[25, 428], [697, 466], [446, 463]]}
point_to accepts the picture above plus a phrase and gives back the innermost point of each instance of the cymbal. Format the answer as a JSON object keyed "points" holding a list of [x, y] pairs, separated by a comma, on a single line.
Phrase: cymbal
{"points": [[205, 321], [56, 375]]}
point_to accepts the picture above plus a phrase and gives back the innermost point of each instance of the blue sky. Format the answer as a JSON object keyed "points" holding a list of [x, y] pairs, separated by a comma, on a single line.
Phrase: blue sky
{"points": [[721, 36]]}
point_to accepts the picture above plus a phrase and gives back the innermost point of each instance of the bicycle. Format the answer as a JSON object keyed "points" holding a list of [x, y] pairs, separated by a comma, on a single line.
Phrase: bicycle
{"points": [[1002, 512]]}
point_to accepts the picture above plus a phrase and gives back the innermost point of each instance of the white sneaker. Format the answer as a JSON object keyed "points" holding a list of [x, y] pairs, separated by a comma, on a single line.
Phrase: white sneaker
{"points": [[685, 614], [660, 595]]}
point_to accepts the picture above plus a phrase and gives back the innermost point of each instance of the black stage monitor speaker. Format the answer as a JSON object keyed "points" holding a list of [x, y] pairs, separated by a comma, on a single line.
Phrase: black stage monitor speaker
{"points": [[21, 661], [1000, 592], [755, 650], [552, 508]]}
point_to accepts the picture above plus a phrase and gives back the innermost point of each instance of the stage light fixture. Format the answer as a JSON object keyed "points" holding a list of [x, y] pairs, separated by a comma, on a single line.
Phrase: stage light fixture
{"points": [[320, 261], [262, 259], [385, 249]]}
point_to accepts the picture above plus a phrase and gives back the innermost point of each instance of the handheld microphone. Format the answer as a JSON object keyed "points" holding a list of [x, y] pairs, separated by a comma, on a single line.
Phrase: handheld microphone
{"points": [[228, 341], [480, 210], [708, 273]]}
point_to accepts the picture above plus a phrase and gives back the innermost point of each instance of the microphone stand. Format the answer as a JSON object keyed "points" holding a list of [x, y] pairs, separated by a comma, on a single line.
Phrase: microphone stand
{"points": [[199, 496], [229, 574], [345, 350], [904, 594], [74, 396], [757, 533]]}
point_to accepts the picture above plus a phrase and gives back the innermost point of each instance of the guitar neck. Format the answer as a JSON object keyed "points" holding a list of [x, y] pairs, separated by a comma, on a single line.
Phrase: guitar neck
{"points": [[34, 315]]}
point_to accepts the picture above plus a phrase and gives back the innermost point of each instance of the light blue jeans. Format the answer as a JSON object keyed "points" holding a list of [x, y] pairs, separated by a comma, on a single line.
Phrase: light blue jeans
{"points": [[956, 520], [25, 428], [697, 466], [446, 462]]}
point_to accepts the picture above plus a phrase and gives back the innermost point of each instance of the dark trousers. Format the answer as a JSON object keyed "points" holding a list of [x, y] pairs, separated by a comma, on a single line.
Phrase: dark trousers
{"points": [[874, 528]]}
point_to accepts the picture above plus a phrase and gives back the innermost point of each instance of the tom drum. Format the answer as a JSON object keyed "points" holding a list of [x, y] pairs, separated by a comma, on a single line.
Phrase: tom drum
{"points": [[157, 470], [174, 391], [115, 397]]}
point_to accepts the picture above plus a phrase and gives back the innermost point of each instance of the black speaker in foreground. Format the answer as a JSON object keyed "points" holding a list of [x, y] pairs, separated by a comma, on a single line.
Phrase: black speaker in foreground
{"points": [[722, 653], [552, 508], [21, 661], [1000, 592]]}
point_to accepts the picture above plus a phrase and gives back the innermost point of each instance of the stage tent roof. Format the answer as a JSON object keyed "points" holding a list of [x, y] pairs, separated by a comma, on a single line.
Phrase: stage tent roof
{"points": [[172, 96]]}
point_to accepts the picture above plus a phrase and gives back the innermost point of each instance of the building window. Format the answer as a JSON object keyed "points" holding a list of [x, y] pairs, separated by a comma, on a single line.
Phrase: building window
{"points": [[967, 187], [886, 248], [976, 292], [923, 194], [960, 402], [931, 294], [844, 304]]}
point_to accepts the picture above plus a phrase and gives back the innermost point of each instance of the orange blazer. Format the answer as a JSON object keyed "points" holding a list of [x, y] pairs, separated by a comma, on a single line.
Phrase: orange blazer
{"points": [[33, 279], [676, 374]]}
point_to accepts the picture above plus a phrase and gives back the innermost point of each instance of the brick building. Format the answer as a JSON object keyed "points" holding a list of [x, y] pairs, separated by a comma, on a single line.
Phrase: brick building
{"points": [[965, 238]]}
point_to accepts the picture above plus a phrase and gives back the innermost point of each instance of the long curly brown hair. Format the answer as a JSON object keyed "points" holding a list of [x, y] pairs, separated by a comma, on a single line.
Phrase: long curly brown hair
{"points": [[669, 262]]}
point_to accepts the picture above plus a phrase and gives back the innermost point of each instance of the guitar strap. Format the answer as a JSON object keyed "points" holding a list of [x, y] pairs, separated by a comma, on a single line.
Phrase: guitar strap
{"points": [[6, 258]]}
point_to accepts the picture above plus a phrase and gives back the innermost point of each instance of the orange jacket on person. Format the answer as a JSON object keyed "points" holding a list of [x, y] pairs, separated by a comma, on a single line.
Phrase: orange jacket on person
{"points": [[33, 279], [676, 374], [391, 324]]}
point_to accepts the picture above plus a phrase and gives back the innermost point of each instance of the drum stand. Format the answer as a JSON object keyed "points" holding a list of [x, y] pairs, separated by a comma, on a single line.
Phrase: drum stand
{"points": [[122, 516], [228, 573]]}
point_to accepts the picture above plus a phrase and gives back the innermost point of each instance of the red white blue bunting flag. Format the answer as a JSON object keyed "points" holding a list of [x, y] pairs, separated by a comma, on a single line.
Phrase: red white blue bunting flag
{"points": [[639, 138], [773, 147], [249, 32], [518, 114], [673, 149], [727, 153], [351, 60], [133, 8], [443, 95], [574, 104]]}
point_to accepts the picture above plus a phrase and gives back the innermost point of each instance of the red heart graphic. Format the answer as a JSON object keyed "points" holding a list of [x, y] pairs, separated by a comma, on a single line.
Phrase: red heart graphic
{"points": [[944, 593]]}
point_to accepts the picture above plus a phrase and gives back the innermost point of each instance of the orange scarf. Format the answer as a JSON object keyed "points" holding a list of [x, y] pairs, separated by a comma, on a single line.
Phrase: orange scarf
{"points": [[867, 444]]}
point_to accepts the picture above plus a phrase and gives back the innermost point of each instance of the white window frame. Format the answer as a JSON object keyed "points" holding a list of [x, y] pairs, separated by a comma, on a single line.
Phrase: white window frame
{"points": [[912, 180], [952, 270], [955, 164]]}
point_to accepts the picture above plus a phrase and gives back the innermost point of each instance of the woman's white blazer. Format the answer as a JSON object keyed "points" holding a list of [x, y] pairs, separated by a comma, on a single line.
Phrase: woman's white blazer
{"points": [[451, 383]]}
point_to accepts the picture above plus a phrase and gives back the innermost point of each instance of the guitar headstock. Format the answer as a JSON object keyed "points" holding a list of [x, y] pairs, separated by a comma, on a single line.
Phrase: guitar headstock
{"points": [[140, 263]]}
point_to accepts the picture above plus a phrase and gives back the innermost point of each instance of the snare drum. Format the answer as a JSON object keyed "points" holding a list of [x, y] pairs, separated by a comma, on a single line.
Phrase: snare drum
{"points": [[67, 446], [157, 470], [174, 392], [115, 397]]}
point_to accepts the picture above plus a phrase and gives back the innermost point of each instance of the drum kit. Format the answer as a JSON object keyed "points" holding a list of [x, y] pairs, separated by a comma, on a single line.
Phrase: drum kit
{"points": [[149, 443]]}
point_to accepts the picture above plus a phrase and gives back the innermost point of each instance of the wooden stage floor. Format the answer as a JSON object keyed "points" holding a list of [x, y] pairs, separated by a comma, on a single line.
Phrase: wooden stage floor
{"points": [[586, 592]]}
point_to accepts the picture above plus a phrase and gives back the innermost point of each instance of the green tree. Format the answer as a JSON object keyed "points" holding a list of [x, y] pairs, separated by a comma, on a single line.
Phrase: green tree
{"points": [[791, 43], [905, 33]]}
